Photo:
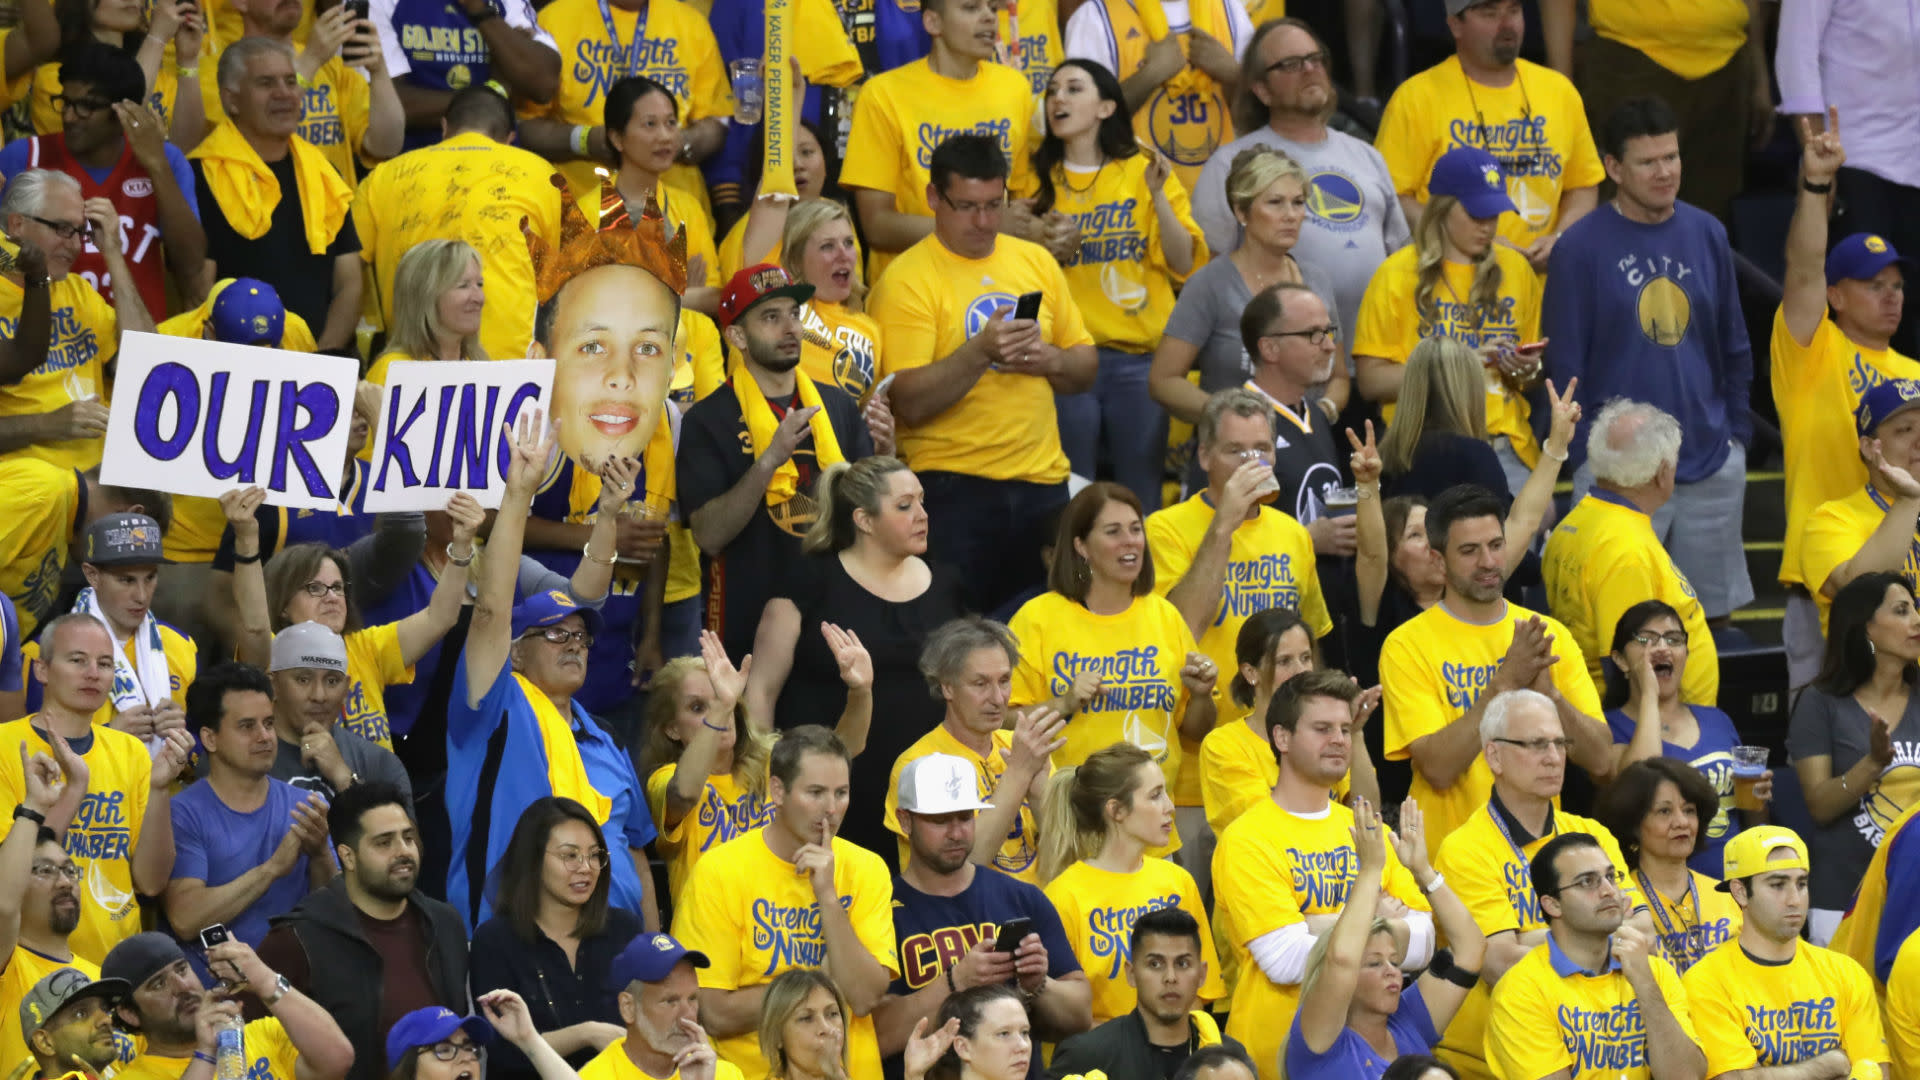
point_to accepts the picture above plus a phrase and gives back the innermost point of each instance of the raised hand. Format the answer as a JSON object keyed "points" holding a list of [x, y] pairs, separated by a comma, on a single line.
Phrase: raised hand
{"points": [[466, 516], [192, 32], [1037, 735], [1897, 478], [1158, 167], [1365, 462], [172, 756], [1363, 707], [72, 765], [1410, 842], [530, 440], [728, 682], [509, 1016], [105, 219], [618, 476], [925, 1048], [1821, 153], [856, 665], [1369, 839], [43, 781], [1198, 675], [146, 135], [1566, 416], [786, 438]]}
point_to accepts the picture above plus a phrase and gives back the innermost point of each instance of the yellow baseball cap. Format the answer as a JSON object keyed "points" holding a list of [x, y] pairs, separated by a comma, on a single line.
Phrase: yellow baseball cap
{"points": [[1747, 853]]}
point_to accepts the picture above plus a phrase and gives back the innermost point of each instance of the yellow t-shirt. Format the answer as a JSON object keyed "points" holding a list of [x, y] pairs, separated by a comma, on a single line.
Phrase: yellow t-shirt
{"points": [[1238, 769], [183, 660], [478, 191], [1536, 127], [86, 335], [374, 663], [1120, 277], [14, 85], [699, 368], [1138, 654], [1818, 390], [754, 917], [1903, 1010], [1833, 535], [614, 1064], [1588, 1024], [46, 86], [25, 968], [1433, 668], [1272, 869], [733, 259], [840, 346], [271, 1055], [1270, 563], [1691, 926], [102, 836], [36, 533], [1753, 1015], [931, 301], [1389, 326], [678, 52], [1490, 877], [1691, 38], [1016, 856], [726, 810], [1604, 558], [684, 215], [1039, 37], [339, 105], [901, 115], [1098, 909]]}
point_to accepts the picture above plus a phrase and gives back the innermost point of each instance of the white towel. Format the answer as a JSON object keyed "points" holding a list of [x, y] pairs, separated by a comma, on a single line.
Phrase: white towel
{"points": [[146, 680]]}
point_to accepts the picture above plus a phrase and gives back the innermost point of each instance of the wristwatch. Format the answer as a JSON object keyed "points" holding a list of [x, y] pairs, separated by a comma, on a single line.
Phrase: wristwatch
{"points": [[281, 987]]}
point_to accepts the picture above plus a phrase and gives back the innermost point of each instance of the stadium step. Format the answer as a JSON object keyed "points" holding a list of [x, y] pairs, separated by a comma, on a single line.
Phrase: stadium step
{"points": [[1763, 526]]}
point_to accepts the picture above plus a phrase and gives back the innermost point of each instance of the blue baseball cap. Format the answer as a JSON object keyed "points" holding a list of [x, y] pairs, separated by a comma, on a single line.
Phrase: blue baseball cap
{"points": [[650, 958], [550, 607], [424, 1027], [248, 312], [1471, 175], [1881, 403], [1860, 257]]}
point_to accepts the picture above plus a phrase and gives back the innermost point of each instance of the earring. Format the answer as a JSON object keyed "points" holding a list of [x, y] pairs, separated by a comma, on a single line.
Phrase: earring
{"points": [[1870, 649]]}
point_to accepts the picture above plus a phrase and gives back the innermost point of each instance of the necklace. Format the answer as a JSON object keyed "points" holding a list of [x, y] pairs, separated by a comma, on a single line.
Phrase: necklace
{"points": [[1261, 281], [1066, 181]]}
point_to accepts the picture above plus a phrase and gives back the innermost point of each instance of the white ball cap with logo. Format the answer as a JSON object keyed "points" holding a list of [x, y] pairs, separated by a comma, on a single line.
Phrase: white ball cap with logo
{"points": [[307, 645], [940, 784]]}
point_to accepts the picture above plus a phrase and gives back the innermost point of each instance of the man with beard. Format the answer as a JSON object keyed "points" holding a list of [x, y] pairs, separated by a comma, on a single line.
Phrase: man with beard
{"points": [[308, 670], [1286, 98], [369, 946], [1442, 667], [945, 902], [39, 895], [181, 1019], [1528, 117], [1485, 859], [660, 1006], [1824, 1016], [68, 1019], [1591, 999], [1283, 868], [247, 845], [751, 450]]}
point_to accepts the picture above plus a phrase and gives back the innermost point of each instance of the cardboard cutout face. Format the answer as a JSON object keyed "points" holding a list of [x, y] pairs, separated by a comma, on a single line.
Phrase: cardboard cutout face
{"points": [[612, 342]]}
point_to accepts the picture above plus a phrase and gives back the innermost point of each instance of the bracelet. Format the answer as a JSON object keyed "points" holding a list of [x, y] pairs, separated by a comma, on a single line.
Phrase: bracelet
{"points": [[578, 140], [1817, 189], [1548, 450], [246, 559], [1460, 976], [586, 549], [302, 80], [951, 989], [1366, 493], [27, 813], [461, 563], [187, 71], [1843, 784], [35, 281], [1439, 881], [712, 727], [201, 1055]]}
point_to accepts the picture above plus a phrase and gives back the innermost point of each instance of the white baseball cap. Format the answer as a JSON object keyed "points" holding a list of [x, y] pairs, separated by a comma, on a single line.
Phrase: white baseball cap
{"points": [[940, 784]]}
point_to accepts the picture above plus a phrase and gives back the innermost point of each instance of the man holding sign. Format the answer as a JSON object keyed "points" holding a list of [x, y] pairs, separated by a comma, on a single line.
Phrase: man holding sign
{"points": [[56, 411]]}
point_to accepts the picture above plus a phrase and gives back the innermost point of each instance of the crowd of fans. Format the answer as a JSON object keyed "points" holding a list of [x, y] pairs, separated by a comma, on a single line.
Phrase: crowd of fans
{"points": [[950, 640]]}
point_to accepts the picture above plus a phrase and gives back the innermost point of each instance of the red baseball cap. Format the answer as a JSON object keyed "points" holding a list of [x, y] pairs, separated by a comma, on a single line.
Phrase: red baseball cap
{"points": [[754, 284]]}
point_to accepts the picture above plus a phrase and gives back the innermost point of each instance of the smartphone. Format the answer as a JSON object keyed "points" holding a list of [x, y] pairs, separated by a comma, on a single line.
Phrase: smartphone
{"points": [[1028, 306], [1013, 931], [360, 8], [214, 935], [1531, 348]]}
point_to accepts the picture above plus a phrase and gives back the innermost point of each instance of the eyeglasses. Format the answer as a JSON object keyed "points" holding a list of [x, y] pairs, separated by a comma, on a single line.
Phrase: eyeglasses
{"points": [[83, 107], [452, 1051], [1293, 64], [1592, 880], [1251, 453], [1315, 335], [1540, 747], [1677, 639], [318, 589], [971, 209], [571, 858], [561, 637], [48, 871], [65, 230]]}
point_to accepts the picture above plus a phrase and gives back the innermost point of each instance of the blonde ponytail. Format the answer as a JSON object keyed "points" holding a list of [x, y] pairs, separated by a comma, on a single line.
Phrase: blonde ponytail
{"points": [[1073, 818]]}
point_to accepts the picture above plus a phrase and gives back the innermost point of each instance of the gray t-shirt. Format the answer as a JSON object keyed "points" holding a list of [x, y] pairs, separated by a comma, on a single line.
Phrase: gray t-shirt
{"points": [[1836, 728], [1207, 316], [363, 757], [1353, 219]]}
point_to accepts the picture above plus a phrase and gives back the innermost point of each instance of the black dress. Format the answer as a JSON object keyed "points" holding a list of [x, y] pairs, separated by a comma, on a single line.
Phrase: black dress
{"points": [[903, 710]]}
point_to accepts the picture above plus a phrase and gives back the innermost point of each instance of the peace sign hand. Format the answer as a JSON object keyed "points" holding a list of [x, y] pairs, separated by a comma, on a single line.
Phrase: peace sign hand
{"points": [[1366, 458], [1566, 417]]}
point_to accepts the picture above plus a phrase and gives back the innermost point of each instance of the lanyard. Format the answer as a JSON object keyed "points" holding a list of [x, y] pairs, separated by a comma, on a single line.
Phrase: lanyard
{"points": [[1303, 420], [1658, 903], [1913, 545], [1500, 822], [634, 49]]}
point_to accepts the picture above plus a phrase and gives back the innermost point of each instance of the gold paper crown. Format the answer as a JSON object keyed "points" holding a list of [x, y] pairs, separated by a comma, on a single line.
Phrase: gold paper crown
{"points": [[643, 244]]}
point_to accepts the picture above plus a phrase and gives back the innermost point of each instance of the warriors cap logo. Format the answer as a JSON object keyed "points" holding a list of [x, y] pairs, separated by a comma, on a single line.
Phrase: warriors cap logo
{"points": [[1875, 244]]}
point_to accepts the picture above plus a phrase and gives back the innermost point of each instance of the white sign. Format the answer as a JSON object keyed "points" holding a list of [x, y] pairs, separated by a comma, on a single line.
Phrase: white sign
{"points": [[197, 417], [441, 430]]}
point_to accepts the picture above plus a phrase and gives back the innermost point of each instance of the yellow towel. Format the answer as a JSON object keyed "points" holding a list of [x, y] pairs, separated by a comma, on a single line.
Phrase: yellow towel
{"points": [[247, 192], [761, 426]]}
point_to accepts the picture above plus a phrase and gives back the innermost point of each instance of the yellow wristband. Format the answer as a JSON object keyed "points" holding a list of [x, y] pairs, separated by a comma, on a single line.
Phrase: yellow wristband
{"points": [[187, 71], [302, 80]]}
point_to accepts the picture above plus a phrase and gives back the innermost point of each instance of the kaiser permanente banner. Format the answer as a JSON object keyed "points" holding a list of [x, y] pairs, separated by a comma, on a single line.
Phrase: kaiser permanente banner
{"points": [[442, 429], [197, 417]]}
